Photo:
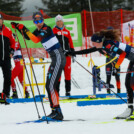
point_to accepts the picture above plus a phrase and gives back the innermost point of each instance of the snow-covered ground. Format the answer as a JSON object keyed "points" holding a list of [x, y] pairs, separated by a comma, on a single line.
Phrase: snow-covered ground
{"points": [[83, 120]]}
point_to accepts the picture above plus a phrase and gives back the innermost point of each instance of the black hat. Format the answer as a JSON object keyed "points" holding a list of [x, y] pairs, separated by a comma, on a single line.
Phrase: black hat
{"points": [[1, 17], [37, 15], [96, 38]]}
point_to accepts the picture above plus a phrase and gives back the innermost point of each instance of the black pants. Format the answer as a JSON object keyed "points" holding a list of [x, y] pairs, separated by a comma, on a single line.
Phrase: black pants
{"points": [[109, 68], [6, 70], [129, 82], [53, 75]]}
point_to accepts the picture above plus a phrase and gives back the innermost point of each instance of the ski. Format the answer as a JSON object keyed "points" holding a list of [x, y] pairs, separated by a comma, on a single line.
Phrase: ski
{"points": [[131, 118], [44, 119]]}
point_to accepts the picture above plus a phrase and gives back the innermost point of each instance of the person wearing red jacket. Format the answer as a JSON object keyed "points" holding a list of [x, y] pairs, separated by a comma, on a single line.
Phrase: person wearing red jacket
{"points": [[17, 71], [64, 37], [7, 45]]}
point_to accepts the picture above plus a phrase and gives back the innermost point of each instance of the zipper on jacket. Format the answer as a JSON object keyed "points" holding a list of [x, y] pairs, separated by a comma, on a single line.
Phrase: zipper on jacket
{"points": [[62, 33]]}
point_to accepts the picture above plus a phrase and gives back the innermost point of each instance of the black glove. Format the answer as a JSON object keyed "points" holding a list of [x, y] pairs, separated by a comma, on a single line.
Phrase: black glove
{"points": [[69, 53], [73, 52], [114, 72], [19, 27]]}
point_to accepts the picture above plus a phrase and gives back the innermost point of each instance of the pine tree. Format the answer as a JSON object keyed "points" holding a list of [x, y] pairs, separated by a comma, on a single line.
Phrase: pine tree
{"points": [[12, 7]]}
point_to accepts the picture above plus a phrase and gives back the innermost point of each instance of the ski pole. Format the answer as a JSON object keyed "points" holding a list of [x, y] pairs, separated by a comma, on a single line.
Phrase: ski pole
{"points": [[75, 83], [34, 75], [125, 72], [28, 78], [100, 81]]}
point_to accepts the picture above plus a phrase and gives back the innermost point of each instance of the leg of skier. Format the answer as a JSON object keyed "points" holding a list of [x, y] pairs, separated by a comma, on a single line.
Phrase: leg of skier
{"points": [[53, 75], [108, 74], [67, 73], [20, 77], [118, 83], [15, 73], [129, 78]]}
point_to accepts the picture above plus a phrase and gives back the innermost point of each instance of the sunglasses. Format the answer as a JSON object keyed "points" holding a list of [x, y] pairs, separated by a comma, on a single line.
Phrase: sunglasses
{"points": [[38, 21]]}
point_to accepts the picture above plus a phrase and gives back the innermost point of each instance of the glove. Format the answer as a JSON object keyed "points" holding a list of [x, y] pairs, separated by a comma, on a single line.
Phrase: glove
{"points": [[22, 27], [14, 25], [73, 52], [69, 53], [114, 72]]}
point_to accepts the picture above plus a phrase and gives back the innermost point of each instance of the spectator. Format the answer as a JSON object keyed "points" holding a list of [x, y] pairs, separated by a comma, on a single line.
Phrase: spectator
{"points": [[64, 37], [7, 45]]}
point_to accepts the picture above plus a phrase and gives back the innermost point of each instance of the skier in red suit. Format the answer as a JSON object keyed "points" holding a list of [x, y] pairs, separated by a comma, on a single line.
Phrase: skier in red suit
{"points": [[17, 71], [64, 37]]}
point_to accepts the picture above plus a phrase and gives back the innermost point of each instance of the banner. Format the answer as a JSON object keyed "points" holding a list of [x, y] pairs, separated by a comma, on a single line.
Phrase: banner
{"points": [[72, 23], [128, 33]]}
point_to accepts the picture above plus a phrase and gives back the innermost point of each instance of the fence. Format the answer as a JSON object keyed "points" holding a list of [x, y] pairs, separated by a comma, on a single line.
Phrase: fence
{"points": [[119, 19]]}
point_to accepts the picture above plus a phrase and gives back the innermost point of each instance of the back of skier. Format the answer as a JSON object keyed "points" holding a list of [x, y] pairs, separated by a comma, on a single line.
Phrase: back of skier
{"points": [[107, 42], [44, 34]]}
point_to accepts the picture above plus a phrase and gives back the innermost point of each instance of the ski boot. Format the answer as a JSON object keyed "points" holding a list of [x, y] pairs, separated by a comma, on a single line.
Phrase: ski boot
{"points": [[3, 99], [15, 95], [56, 114], [130, 118], [127, 113], [108, 91], [68, 94], [108, 88], [27, 94], [118, 90]]}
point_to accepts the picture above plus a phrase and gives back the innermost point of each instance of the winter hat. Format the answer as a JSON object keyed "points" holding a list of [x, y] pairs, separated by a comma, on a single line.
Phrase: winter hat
{"points": [[58, 18], [96, 38], [1, 17], [37, 15]]}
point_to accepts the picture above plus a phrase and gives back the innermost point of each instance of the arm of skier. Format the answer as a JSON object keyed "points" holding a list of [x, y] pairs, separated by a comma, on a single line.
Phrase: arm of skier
{"points": [[29, 35], [37, 38], [12, 44], [85, 51], [122, 54], [15, 26]]}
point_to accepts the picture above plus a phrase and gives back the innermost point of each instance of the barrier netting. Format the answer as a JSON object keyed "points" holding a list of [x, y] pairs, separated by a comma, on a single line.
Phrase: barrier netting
{"points": [[98, 21]]}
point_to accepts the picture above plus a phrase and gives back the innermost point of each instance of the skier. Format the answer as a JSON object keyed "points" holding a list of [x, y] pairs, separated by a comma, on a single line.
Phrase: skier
{"points": [[17, 71], [64, 37], [7, 45], [109, 69], [108, 41], [45, 35]]}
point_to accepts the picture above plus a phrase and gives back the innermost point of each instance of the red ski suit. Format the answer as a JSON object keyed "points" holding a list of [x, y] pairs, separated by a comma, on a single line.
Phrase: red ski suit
{"points": [[18, 69], [66, 43]]}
